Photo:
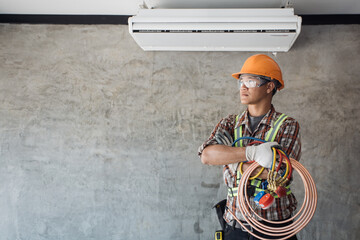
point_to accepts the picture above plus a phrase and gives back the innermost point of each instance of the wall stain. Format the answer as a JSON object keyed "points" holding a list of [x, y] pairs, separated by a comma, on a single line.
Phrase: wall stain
{"points": [[210, 185], [197, 228]]}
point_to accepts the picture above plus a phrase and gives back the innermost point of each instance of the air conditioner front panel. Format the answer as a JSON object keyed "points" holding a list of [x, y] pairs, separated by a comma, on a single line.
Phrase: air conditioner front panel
{"points": [[216, 19], [216, 26], [213, 12], [215, 42]]}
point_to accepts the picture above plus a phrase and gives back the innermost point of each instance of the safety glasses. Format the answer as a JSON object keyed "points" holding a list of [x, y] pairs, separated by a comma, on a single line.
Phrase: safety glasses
{"points": [[251, 81]]}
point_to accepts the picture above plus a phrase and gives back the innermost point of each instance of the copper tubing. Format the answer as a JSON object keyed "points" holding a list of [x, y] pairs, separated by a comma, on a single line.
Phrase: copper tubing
{"points": [[303, 216]]}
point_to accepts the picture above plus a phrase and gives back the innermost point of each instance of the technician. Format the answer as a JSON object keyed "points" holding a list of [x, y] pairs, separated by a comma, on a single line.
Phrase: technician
{"points": [[259, 79]]}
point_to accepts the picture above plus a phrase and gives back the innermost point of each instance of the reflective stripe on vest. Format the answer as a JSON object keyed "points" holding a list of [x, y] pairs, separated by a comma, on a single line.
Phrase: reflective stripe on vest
{"points": [[238, 133], [255, 182], [270, 137], [271, 134]]}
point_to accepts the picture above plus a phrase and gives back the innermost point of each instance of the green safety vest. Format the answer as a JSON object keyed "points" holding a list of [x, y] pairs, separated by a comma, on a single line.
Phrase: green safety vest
{"points": [[270, 137]]}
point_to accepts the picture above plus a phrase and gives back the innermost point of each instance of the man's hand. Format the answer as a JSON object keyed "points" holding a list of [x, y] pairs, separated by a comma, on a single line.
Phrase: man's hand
{"points": [[224, 138], [262, 153]]}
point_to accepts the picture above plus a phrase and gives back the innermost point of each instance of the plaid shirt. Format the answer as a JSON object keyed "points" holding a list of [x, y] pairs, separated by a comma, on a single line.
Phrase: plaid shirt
{"points": [[288, 137]]}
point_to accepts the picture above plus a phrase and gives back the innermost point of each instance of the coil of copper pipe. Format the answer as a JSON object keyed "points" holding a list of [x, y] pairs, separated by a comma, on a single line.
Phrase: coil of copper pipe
{"points": [[300, 220]]}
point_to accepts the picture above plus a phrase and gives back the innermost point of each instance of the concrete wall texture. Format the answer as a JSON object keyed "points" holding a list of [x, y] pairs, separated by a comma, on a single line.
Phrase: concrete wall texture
{"points": [[98, 139]]}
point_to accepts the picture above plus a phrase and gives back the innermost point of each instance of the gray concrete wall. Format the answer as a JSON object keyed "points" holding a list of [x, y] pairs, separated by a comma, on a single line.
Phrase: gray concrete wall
{"points": [[98, 139]]}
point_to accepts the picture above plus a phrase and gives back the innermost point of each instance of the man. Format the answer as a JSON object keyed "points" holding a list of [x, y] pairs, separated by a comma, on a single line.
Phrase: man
{"points": [[259, 79]]}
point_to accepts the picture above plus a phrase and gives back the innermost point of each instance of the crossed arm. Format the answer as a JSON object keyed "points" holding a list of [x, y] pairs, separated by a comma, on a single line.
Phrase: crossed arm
{"points": [[222, 155]]}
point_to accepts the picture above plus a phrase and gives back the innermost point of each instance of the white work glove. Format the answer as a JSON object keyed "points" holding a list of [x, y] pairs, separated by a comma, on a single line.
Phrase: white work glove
{"points": [[262, 154]]}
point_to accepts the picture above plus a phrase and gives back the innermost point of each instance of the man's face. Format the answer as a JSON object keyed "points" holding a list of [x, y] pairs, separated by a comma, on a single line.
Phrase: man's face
{"points": [[252, 89]]}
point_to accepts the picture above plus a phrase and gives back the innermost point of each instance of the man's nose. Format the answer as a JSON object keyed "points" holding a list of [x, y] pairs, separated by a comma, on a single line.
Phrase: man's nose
{"points": [[243, 87]]}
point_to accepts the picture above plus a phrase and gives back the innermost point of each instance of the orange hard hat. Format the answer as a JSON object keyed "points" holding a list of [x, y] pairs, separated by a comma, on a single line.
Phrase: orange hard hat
{"points": [[262, 65]]}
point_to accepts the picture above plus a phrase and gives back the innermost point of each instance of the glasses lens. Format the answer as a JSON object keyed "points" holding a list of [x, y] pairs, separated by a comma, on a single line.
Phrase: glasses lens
{"points": [[251, 81], [248, 83]]}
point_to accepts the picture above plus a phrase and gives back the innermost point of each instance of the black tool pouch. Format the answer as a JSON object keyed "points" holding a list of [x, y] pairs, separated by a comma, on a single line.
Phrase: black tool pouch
{"points": [[220, 209]]}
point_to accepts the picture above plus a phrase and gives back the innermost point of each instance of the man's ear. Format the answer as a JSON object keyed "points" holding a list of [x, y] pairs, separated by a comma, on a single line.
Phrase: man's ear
{"points": [[270, 87]]}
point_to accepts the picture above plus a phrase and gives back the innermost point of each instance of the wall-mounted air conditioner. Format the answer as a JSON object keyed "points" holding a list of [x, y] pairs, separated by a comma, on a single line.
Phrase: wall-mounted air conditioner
{"points": [[273, 30]]}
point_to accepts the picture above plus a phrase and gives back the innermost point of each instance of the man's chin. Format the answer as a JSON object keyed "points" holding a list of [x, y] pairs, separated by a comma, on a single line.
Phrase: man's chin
{"points": [[244, 101]]}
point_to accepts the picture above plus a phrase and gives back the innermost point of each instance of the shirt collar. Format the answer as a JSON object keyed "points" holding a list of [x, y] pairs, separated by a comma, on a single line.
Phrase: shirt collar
{"points": [[268, 119]]}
